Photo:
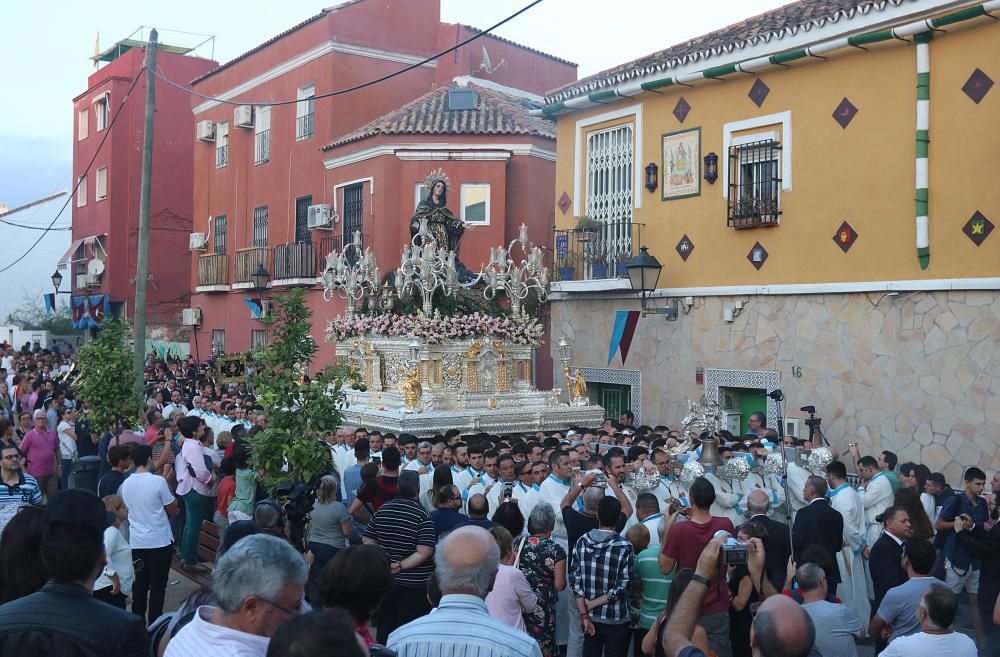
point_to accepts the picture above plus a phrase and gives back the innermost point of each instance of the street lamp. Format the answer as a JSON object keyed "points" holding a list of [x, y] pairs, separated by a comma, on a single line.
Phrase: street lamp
{"points": [[260, 278], [57, 280], [643, 274]]}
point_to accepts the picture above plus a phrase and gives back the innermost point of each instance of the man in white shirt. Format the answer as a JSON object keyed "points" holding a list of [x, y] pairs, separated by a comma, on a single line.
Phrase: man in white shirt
{"points": [[461, 474], [258, 583], [66, 432], [647, 513], [936, 611], [853, 589], [422, 463], [174, 405], [551, 491], [150, 504]]}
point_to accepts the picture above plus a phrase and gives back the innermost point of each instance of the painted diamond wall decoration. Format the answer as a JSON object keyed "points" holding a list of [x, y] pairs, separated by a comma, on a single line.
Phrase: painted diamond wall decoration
{"points": [[564, 202], [758, 92], [684, 248], [977, 86], [844, 113], [845, 237], [757, 256], [978, 228], [681, 109]]}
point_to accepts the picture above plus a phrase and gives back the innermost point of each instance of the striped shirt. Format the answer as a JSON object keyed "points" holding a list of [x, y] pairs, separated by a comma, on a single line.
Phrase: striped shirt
{"points": [[655, 586], [23, 493], [461, 626], [399, 526]]}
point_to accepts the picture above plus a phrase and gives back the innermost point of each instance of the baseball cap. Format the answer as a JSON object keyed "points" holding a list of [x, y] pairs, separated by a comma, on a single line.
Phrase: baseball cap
{"points": [[74, 517]]}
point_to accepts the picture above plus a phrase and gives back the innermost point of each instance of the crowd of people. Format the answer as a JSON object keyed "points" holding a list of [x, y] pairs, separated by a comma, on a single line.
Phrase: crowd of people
{"points": [[585, 543]]}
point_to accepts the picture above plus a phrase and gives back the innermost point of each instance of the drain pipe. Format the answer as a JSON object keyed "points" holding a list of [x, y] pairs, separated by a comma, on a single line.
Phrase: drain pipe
{"points": [[923, 41]]}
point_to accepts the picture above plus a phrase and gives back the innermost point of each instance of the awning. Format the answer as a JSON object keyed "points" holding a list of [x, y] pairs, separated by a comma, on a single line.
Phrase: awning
{"points": [[70, 254]]}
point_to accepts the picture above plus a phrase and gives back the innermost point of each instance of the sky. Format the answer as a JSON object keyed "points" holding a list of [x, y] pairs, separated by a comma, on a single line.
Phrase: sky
{"points": [[45, 50]]}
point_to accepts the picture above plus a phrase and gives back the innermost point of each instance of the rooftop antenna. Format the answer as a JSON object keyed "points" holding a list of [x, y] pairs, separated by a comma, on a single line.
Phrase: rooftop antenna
{"points": [[487, 65]]}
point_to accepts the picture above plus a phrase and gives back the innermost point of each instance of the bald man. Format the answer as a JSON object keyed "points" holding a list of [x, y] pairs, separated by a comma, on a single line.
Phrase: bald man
{"points": [[466, 563]]}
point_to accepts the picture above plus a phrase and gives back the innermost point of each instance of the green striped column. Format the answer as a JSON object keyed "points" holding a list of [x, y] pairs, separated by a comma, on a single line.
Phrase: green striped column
{"points": [[923, 140]]}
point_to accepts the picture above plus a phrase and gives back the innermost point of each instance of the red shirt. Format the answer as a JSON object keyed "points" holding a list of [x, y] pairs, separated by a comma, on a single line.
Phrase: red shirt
{"points": [[227, 489], [685, 543], [377, 492]]}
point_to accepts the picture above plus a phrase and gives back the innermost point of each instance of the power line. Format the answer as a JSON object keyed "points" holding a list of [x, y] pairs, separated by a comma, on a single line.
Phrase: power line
{"points": [[72, 194], [357, 86], [29, 227]]}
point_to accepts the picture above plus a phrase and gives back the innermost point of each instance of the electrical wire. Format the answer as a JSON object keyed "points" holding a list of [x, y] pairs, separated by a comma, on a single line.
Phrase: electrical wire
{"points": [[356, 87], [15, 225], [72, 194]]}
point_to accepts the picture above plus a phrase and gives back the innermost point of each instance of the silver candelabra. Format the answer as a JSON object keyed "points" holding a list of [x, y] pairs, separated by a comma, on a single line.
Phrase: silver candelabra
{"points": [[516, 278], [352, 277], [426, 268]]}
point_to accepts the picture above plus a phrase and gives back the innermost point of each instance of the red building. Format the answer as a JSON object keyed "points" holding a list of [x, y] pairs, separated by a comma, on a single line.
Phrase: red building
{"points": [[362, 154], [102, 257]]}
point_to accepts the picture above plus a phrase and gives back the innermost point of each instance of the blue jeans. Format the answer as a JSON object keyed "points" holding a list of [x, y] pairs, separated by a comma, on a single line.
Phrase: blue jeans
{"points": [[608, 640], [67, 470], [194, 513]]}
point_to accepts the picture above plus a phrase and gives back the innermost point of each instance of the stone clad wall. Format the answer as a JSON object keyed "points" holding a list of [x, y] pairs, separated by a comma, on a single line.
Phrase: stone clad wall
{"points": [[917, 373]]}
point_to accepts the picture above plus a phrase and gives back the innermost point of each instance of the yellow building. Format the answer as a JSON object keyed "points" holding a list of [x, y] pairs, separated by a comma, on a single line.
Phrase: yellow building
{"points": [[822, 202]]}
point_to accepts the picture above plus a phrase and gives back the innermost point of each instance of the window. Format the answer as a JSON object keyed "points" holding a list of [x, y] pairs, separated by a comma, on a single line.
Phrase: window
{"points": [[222, 144], [260, 226], [420, 193], [220, 235], [218, 342], [354, 216], [302, 233], [258, 338], [101, 112], [101, 185], [81, 191], [754, 182], [83, 127], [476, 203], [305, 112], [262, 135], [610, 177]]}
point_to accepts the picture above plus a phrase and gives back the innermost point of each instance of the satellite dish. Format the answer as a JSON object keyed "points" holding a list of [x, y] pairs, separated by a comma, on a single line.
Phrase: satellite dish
{"points": [[487, 65], [95, 267]]}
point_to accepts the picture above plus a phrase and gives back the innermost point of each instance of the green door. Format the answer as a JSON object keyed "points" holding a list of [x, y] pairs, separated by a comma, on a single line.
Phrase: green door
{"points": [[751, 401], [613, 398]]}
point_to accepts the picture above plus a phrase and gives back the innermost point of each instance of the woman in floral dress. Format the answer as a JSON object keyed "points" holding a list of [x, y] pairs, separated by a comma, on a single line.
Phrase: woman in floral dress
{"points": [[543, 562]]}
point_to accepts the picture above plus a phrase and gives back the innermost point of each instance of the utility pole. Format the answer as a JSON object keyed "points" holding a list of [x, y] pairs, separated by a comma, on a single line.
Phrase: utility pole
{"points": [[142, 263]]}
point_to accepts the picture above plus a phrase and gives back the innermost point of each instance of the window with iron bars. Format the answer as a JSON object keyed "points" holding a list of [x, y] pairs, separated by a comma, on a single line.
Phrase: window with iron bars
{"points": [[222, 144], [305, 112], [258, 338], [220, 236], [262, 135], [754, 184], [260, 226], [218, 342]]}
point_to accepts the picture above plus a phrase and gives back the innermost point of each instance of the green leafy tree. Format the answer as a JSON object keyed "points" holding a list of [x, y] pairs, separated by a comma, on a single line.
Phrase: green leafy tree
{"points": [[299, 412], [106, 379]]}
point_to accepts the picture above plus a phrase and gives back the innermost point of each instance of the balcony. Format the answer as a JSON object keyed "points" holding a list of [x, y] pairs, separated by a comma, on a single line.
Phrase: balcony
{"points": [[328, 245], [596, 255], [213, 273], [262, 147], [246, 262], [294, 264]]}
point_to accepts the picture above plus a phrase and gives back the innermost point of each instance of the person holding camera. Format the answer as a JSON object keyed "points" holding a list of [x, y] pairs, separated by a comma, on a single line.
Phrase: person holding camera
{"points": [[683, 546]]}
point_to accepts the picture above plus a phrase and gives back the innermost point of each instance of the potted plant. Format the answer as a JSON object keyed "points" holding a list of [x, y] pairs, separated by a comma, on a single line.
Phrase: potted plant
{"points": [[565, 268], [621, 262], [587, 229], [597, 256]]}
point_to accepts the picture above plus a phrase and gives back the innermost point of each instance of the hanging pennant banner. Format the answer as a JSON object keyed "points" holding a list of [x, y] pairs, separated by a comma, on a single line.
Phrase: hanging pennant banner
{"points": [[627, 335], [80, 315], [98, 306], [255, 306], [50, 302], [621, 317]]}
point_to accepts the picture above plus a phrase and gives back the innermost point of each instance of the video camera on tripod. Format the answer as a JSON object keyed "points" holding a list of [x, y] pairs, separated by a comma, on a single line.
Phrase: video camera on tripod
{"points": [[812, 422]]}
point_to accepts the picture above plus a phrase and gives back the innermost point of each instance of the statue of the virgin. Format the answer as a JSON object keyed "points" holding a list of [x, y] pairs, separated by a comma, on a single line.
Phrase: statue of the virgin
{"points": [[444, 227]]}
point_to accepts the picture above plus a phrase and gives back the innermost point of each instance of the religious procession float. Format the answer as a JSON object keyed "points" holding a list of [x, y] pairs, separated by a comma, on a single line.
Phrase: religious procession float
{"points": [[439, 347]]}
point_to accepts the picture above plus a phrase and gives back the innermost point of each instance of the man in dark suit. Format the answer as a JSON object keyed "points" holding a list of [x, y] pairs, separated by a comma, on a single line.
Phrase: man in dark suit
{"points": [[64, 618], [777, 545], [885, 558], [819, 524]]}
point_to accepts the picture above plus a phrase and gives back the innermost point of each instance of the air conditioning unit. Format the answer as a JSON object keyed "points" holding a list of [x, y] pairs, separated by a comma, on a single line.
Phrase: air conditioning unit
{"points": [[243, 116], [82, 281], [191, 317], [731, 422], [206, 131], [198, 242], [319, 217]]}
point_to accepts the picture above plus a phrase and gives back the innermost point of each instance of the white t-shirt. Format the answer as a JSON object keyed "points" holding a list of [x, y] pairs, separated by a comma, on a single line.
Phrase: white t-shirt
{"points": [[145, 494], [954, 644], [119, 560], [67, 444]]}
